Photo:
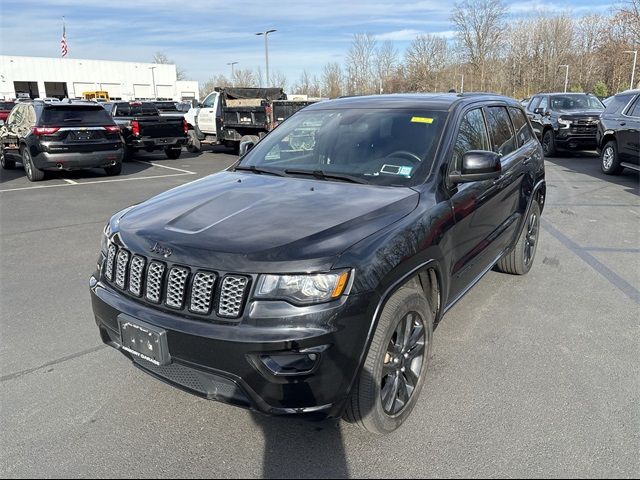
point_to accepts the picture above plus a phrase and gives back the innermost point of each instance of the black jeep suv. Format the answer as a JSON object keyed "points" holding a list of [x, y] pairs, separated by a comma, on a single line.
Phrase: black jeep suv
{"points": [[310, 276], [565, 120], [60, 136], [619, 133]]}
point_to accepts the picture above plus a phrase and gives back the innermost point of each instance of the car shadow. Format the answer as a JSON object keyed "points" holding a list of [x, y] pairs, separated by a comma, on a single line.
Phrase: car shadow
{"points": [[301, 448], [588, 163]]}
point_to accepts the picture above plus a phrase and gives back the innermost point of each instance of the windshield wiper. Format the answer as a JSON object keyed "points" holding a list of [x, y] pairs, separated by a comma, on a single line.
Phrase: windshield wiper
{"points": [[254, 169], [321, 175]]}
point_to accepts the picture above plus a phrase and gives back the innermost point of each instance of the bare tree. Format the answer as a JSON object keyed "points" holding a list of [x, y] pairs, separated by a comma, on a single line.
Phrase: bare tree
{"points": [[386, 61], [360, 64], [279, 79], [244, 78], [162, 59], [332, 80], [480, 25], [424, 59]]}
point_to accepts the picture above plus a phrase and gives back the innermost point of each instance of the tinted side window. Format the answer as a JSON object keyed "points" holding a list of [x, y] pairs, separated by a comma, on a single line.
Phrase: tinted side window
{"points": [[523, 131], [500, 130], [472, 135], [617, 104], [533, 104], [634, 110], [544, 103]]}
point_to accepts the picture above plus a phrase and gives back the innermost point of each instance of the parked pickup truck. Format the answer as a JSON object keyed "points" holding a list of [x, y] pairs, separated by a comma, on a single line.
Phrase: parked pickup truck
{"points": [[230, 116], [143, 128]]}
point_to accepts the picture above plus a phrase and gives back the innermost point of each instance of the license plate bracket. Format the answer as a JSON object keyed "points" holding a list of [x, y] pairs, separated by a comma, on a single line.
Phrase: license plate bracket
{"points": [[144, 341]]}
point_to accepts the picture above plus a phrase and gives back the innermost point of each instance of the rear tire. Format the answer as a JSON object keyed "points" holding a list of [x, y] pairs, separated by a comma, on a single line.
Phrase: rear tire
{"points": [[610, 163], [5, 163], [377, 403], [549, 143], [173, 153], [520, 259], [129, 153], [113, 170], [33, 174]]}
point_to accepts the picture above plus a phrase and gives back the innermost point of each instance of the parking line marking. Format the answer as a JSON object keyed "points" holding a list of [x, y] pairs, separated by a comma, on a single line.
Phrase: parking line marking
{"points": [[164, 166], [97, 181], [72, 182], [616, 280]]}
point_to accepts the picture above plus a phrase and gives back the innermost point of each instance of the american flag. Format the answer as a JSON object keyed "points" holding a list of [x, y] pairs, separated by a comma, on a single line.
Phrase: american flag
{"points": [[63, 41]]}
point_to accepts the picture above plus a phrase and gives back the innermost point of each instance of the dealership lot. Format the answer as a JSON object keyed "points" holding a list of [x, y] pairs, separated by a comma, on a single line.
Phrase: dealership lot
{"points": [[534, 375]]}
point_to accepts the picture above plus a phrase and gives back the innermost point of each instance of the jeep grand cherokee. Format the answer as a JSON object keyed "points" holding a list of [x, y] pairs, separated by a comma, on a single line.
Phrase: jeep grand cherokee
{"points": [[308, 278]]}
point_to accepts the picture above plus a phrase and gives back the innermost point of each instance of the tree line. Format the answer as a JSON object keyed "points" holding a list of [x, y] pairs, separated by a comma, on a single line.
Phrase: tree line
{"points": [[490, 52]]}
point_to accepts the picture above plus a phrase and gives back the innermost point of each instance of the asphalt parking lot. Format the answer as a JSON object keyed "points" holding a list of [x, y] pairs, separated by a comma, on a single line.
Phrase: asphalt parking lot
{"points": [[531, 376]]}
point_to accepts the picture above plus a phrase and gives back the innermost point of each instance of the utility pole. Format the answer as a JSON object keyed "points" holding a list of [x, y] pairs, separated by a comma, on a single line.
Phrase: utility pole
{"points": [[566, 76], [266, 50], [461, 83], [633, 69], [232, 64]]}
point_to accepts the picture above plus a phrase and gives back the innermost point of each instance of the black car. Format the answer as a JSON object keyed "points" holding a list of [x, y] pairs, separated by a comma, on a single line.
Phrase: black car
{"points": [[308, 279], [619, 133], [60, 136], [565, 121]]}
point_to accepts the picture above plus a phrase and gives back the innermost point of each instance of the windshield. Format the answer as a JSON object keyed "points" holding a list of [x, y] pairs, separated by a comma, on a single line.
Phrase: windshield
{"points": [[575, 102], [6, 105], [382, 147]]}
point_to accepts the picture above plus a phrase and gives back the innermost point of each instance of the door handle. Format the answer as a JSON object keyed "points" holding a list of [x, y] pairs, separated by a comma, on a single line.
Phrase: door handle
{"points": [[527, 160], [622, 124]]}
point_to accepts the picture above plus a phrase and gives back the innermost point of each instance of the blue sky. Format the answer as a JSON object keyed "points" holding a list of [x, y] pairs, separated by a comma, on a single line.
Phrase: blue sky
{"points": [[203, 36]]}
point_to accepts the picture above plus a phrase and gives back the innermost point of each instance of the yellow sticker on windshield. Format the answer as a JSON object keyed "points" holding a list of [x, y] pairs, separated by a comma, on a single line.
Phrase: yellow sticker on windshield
{"points": [[422, 120]]}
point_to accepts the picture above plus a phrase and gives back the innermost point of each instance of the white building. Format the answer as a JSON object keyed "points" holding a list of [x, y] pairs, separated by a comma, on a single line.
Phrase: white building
{"points": [[41, 77]]}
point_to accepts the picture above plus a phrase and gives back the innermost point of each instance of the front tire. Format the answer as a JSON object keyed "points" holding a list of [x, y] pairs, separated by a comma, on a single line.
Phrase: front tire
{"points": [[394, 371], [193, 143], [5, 163], [610, 162], [33, 173], [549, 143], [173, 153], [520, 259]]}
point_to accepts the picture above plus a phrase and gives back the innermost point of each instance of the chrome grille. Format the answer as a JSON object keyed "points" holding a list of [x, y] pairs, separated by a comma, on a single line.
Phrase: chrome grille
{"points": [[111, 257], [155, 274], [135, 275], [122, 262], [232, 296], [202, 292], [175, 286]]}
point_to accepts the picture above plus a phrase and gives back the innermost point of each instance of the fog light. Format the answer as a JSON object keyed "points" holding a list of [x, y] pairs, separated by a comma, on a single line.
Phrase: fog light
{"points": [[290, 363]]}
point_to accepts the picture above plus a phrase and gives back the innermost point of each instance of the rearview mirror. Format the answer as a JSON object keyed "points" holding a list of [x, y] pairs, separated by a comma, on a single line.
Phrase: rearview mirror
{"points": [[478, 165], [246, 146]]}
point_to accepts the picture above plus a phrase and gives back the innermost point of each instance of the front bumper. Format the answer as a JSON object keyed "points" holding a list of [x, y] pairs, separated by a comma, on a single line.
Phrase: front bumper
{"points": [[565, 138], [223, 361], [77, 160]]}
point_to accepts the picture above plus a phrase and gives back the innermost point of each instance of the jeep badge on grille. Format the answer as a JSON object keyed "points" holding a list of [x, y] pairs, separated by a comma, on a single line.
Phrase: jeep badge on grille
{"points": [[164, 251]]}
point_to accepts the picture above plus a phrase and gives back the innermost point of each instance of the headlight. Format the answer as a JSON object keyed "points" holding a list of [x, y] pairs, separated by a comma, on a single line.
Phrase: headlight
{"points": [[305, 289], [564, 122]]}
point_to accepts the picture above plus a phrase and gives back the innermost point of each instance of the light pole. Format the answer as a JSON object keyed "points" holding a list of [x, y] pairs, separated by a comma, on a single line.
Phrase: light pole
{"points": [[153, 79], [266, 50], [566, 77], [633, 70], [232, 64]]}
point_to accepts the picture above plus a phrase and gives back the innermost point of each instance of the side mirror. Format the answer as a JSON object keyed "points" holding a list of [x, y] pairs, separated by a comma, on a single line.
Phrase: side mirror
{"points": [[246, 146], [541, 111], [478, 165], [195, 103]]}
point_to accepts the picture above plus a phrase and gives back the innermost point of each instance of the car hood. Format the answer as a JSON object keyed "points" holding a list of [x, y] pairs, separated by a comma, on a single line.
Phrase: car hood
{"points": [[579, 114], [247, 222]]}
